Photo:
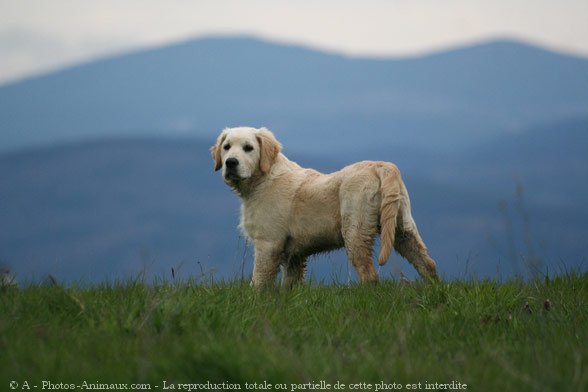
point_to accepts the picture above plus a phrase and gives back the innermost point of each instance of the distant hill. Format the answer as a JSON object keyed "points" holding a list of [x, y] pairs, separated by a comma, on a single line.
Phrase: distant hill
{"points": [[107, 209], [110, 209], [105, 169], [441, 101]]}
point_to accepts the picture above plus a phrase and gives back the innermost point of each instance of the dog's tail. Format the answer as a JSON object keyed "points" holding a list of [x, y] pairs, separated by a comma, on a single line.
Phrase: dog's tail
{"points": [[394, 210]]}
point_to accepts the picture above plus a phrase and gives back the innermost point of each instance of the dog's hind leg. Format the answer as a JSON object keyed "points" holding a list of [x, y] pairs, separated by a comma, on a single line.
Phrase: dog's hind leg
{"points": [[408, 241], [359, 231], [410, 246], [359, 250], [360, 209]]}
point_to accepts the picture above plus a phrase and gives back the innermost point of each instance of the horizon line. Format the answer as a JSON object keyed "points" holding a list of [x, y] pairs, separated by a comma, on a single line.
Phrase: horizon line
{"points": [[418, 54]]}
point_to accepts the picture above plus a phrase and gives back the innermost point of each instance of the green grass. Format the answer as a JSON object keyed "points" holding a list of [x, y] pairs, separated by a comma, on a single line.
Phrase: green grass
{"points": [[480, 333]]}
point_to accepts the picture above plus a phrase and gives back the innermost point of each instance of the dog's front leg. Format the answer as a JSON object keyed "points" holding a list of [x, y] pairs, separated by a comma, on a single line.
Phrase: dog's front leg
{"points": [[266, 263], [293, 270]]}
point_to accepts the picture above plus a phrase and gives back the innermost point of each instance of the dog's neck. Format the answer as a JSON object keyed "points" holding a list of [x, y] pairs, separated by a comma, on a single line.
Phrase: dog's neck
{"points": [[245, 187]]}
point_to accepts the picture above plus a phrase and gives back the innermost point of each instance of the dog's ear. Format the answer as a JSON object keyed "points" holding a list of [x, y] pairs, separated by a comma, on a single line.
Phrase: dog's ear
{"points": [[269, 148], [215, 151]]}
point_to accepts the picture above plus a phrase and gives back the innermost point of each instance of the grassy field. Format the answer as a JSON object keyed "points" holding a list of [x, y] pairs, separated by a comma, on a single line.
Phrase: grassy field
{"points": [[513, 336]]}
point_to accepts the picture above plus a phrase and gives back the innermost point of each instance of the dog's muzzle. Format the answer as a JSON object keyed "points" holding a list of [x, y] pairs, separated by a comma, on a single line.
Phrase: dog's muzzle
{"points": [[231, 169]]}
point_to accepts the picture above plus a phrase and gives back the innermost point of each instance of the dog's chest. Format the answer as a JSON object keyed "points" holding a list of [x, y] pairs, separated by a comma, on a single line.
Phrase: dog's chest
{"points": [[263, 220]]}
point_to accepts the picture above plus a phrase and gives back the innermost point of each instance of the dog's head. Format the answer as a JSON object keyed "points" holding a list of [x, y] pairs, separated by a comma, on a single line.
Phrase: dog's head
{"points": [[244, 152]]}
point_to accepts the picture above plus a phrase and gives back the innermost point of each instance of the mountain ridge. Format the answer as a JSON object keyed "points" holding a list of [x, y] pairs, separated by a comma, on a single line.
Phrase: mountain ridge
{"points": [[432, 53], [89, 210], [200, 86], [92, 186]]}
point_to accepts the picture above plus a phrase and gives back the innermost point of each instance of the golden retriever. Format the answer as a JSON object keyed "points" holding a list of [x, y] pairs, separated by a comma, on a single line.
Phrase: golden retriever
{"points": [[290, 212]]}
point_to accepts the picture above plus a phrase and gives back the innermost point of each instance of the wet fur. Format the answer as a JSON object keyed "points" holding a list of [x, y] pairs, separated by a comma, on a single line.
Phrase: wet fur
{"points": [[290, 212]]}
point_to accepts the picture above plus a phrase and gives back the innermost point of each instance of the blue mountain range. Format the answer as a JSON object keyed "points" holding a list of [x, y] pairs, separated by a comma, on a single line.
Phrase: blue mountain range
{"points": [[105, 170]]}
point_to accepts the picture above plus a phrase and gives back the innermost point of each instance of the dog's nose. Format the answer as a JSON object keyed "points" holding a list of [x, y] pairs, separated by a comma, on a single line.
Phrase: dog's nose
{"points": [[231, 163]]}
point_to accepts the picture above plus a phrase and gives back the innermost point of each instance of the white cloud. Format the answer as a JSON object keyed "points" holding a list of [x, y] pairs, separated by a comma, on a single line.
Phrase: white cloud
{"points": [[60, 32]]}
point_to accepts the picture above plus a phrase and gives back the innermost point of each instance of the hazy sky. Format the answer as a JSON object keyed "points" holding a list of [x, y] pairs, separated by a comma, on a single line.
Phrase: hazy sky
{"points": [[41, 35]]}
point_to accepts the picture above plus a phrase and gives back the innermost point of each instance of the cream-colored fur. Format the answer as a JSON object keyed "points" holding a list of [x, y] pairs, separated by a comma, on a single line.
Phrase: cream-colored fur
{"points": [[290, 213]]}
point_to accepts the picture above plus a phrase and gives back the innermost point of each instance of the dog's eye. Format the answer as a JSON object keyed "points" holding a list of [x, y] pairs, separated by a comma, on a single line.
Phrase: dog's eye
{"points": [[227, 147], [248, 148]]}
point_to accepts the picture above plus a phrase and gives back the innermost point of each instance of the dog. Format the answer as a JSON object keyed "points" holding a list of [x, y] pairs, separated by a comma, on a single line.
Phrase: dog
{"points": [[290, 213]]}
